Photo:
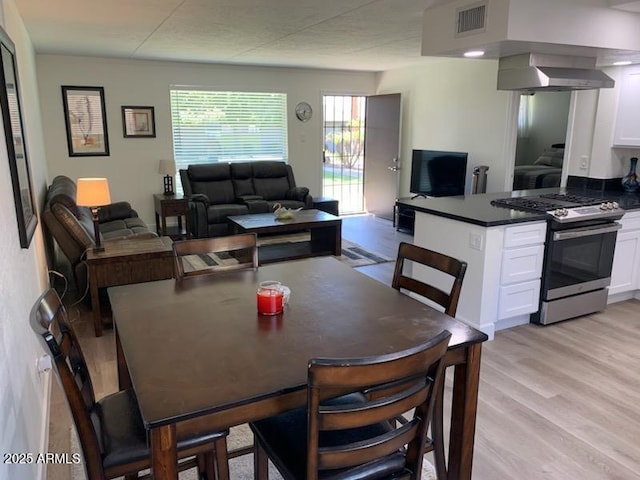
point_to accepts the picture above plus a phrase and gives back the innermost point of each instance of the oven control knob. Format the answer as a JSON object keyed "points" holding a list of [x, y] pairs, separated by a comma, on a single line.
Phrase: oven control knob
{"points": [[560, 212], [616, 205], [605, 206]]}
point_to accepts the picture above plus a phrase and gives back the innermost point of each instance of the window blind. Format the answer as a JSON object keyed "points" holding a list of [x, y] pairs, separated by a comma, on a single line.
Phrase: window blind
{"points": [[222, 126]]}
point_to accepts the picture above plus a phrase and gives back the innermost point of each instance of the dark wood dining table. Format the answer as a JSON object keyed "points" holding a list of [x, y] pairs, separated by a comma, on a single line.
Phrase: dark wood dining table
{"points": [[200, 358]]}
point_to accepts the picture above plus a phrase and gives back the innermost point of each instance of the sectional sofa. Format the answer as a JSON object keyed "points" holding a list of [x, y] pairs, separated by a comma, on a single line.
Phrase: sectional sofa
{"points": [[219, 190]]}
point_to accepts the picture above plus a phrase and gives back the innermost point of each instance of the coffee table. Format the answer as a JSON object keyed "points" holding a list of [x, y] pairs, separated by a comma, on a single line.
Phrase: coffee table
{"points": [[325, 229], [124, 262]]}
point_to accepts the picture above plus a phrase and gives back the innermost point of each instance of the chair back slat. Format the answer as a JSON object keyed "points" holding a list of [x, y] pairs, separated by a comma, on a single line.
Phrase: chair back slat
{"points": [[403, 381], [374, 411], [441, 262], [49, 321], [378, 447], [204, 256]]}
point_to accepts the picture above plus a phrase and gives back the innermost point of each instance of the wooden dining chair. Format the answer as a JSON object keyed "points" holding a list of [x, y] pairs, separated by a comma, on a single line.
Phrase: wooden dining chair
{"points": [[111, 433], [449, 300], [342, 434], [204, 256], [439, 261]]}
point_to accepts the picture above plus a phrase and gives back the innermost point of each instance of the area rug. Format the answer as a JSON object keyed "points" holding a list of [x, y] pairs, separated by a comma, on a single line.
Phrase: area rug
{"points": [[353, 254], [240, 468]]}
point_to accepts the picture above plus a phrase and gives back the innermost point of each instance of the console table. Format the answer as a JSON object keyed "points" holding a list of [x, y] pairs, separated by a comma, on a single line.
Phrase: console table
{"points": [[124, 262]]}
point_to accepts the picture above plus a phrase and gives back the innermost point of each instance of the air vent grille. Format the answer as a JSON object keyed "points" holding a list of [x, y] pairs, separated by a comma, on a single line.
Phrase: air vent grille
{"points": [[471, 19]]}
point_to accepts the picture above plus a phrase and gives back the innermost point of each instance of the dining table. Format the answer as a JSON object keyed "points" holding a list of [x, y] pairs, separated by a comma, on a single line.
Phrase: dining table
{"points": [[200, 358]]}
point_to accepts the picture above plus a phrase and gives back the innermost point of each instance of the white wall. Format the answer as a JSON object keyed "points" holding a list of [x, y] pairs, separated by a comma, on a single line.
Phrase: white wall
{"points": [[453, 104], [23, 276], [133, 164]]}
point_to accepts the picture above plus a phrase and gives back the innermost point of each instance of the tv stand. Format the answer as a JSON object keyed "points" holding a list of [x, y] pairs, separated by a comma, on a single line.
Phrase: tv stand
{"points": [[404, 217], [419, 195]]}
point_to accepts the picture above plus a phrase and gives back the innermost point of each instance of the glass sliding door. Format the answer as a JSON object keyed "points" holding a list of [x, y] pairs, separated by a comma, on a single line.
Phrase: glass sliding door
{"points": [[343, 151]]}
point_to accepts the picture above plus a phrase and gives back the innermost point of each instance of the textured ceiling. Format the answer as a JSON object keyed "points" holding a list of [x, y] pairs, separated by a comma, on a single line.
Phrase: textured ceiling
{"points": [[339, 34], [370, 35]]}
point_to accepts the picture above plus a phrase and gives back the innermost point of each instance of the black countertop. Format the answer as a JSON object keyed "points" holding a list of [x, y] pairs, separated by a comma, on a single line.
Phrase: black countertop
{"points": [[477, 209]]}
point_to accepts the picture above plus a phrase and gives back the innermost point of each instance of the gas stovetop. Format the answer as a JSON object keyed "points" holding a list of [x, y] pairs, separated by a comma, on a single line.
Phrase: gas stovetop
{"points": [[563, 207]]}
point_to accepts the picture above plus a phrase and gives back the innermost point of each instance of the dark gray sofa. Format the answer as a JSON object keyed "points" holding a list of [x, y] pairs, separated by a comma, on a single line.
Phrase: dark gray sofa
{"points": [[219, 190], [72, 226]]}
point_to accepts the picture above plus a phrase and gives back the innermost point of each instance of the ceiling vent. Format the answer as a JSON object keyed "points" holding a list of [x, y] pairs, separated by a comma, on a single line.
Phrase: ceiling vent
{"points": [[471, 19]]}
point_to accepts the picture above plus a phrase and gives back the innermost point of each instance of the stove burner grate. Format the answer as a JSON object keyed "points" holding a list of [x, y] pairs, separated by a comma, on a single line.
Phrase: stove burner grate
{"points": [[545, 202]]}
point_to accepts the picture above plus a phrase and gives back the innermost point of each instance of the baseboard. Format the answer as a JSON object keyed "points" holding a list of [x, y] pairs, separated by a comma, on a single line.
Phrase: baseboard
{"points": [[621, 297], [44, 432]]}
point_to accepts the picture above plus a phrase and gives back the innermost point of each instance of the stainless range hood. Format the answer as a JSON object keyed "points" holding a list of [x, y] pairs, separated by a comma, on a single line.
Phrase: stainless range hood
{"points": [[531, 72]]}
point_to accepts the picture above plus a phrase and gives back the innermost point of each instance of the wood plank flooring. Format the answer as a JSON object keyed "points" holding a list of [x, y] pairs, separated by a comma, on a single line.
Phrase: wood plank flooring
{"points": [[560, 402]]}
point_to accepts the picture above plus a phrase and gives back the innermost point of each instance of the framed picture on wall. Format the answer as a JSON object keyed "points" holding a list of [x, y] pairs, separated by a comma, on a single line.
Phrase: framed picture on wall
{"points": [[138, 122], [16, 145], [86, 120]]}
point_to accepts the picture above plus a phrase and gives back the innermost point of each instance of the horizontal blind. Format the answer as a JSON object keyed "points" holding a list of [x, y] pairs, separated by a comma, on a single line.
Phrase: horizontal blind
{"points": [[221, 126]]}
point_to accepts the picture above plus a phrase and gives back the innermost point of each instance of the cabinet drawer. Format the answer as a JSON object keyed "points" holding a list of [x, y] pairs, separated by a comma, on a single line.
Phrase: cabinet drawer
{"points": [[527, 234], [521, 264], [518, 299], [174, 209]]}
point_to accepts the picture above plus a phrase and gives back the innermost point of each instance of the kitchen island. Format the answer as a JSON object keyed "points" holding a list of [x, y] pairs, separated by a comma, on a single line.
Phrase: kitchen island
{"points": [[504, 250]]}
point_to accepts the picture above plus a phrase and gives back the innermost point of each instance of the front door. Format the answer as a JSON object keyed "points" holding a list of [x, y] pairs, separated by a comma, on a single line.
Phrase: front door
{"points": [[381, 154]]}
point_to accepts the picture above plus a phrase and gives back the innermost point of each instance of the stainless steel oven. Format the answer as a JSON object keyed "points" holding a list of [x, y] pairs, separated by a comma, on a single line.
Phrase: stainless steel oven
{"points": [[577, 271], [581, 239]]}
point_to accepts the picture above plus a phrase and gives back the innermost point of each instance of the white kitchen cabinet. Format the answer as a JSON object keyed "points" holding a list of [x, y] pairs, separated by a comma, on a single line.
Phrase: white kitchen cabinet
{"points": [[504, 266], [521, 270], [625, 274], [627, 129]]}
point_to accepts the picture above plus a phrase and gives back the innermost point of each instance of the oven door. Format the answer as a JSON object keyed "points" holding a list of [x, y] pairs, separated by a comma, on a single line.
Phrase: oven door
{"points": [[579, 260]]}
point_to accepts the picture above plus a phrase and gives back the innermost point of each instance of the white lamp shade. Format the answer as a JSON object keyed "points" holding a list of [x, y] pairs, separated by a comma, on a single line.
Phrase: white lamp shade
{"points": [[92, 192], [167, 167]]}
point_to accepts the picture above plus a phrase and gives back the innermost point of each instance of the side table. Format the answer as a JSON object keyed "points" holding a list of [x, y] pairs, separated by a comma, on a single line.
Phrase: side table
{"points": [[124, 262], [171, 206]]}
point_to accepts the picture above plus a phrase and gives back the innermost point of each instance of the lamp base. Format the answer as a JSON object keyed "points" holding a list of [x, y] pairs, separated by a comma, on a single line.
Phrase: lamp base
{"points": [[168, 186], [97, 249]]}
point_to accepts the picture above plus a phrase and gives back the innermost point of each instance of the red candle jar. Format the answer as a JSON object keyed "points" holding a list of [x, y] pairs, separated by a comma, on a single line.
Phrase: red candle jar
{"points": [[270, 298]]}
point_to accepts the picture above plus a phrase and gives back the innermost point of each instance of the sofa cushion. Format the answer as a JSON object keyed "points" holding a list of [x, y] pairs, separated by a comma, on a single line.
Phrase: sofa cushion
{"points": [[79, 228], [271, 180], [219, 213], [242, 178], [63, 190], [212, 180]]}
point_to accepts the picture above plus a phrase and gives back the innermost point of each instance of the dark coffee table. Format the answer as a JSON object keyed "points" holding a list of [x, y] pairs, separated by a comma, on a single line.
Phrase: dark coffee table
{"points": [[325, 229]]}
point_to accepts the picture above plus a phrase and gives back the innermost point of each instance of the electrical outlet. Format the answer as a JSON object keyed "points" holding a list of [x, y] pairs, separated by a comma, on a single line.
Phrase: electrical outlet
{"points": [[475, 241], [584, 162]]}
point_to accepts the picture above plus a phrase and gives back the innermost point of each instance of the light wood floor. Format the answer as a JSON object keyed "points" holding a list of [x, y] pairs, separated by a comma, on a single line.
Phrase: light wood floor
{"points": [[560, 402]]}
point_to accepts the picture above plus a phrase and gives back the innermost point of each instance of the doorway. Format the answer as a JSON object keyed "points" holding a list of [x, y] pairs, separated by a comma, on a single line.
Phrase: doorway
{"points": [[540, 145], [343, 150]]}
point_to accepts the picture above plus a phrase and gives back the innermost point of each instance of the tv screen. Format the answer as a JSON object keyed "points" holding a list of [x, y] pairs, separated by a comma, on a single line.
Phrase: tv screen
{"points": [[438, 174]]}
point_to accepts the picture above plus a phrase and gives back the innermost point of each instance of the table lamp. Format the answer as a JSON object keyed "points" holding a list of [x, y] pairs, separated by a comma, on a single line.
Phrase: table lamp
{"points": [[93, 193], [168, 169]]}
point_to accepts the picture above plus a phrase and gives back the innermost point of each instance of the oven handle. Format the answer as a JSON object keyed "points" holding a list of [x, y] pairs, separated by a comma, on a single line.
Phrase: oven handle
{"points": [[586, 232]]}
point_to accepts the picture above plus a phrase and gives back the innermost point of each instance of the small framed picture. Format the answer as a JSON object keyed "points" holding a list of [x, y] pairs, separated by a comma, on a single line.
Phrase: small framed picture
{"points": [[86, 121], [138, 122]]}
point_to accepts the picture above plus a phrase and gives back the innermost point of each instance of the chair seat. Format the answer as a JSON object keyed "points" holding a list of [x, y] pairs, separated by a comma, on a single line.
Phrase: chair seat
{"points": [[284, 437], [122, 434]]}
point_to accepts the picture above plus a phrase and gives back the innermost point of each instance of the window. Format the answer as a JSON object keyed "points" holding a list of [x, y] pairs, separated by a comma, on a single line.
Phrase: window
{"points": [[216, 126]]}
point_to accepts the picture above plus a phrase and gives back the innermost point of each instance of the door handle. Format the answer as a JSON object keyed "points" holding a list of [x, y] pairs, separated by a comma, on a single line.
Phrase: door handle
{"points": [[394, 168]]}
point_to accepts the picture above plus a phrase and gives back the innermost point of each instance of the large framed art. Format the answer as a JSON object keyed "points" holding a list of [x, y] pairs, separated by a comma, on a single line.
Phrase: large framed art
{"points": [[86, 120], [16, 146]]}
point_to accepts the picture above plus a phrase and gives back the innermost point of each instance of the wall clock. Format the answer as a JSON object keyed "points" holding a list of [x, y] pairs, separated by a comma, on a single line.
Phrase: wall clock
{"points": [[303, 111]]}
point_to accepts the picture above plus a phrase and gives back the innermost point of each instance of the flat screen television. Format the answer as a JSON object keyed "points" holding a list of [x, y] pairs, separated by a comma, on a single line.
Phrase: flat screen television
{"points": [[438, 174]]}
